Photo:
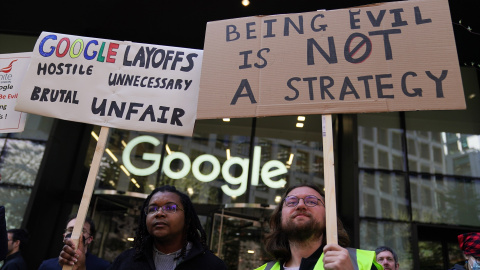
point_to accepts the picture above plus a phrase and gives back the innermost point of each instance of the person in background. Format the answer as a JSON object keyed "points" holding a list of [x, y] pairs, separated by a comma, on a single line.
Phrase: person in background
{"points": [[169, 236], [387, 258], [297, 238], [91, 261], [3, 235], [469, 243], [17, 240]]}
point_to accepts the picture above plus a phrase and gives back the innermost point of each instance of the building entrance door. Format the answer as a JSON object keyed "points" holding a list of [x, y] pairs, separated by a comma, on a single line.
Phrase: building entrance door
{"points": [[237, 235]]}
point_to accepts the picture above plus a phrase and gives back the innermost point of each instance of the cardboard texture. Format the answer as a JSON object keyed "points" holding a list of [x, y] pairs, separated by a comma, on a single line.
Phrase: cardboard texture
{"points": [[396, 56], [112, 83]]}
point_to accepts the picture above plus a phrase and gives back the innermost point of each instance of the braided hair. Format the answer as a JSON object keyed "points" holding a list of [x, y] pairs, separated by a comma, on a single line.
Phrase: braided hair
{"points": [[192, 231]]}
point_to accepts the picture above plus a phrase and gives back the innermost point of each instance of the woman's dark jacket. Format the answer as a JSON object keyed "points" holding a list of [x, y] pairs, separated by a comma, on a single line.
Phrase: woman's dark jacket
{"points": [[197, 258]]}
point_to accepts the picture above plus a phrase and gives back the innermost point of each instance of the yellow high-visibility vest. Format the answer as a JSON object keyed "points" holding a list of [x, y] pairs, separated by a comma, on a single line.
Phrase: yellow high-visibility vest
{"points": [[361, 260]]}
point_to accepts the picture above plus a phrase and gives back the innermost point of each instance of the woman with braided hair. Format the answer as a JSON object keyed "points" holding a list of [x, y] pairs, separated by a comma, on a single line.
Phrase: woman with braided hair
{"points": [[169, 236]]}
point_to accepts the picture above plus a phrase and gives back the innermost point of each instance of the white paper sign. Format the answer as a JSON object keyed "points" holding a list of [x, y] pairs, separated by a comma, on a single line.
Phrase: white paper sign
{"points": [[113, 83], [12, 71]]}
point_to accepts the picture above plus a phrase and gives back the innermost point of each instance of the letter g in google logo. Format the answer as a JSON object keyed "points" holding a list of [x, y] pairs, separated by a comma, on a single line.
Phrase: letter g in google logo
{"points": [[270, 169]]}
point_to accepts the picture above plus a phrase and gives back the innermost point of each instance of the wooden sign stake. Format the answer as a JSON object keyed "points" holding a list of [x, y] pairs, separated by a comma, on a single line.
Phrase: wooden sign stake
{"points": [[329, 178], [88, 191]]}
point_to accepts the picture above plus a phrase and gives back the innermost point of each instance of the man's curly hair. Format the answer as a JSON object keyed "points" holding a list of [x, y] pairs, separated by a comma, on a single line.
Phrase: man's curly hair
{"points": [[192, 231]]}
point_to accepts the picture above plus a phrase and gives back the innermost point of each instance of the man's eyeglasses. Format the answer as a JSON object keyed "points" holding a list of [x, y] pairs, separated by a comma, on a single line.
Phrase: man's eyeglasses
{"points": [[169, 208], [310, 201]]}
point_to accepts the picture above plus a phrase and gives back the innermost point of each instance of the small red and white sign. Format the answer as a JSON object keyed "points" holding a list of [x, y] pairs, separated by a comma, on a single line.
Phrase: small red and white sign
{"points": [[13, 68]]}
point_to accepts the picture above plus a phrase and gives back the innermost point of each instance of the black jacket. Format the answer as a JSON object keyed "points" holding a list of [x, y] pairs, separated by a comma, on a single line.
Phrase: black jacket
{"points": [[197, 258], [458, 267], [14, 261]]}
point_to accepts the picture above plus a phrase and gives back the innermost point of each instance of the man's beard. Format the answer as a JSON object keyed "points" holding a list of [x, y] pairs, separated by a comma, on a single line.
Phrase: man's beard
{"points": [[310, 229]]}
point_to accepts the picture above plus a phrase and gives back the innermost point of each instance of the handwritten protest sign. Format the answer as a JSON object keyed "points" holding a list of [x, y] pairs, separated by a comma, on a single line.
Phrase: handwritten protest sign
{"points": [[396, 56], [113, 83], [13, 68]]}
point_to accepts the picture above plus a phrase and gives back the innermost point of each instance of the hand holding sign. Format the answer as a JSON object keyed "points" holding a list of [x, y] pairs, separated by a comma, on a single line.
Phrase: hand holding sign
{"points": [[77, 261]]}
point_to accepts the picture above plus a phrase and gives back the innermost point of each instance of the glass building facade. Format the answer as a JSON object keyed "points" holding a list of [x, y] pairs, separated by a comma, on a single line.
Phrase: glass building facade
{"points": [[409, 180], [416, 177]]}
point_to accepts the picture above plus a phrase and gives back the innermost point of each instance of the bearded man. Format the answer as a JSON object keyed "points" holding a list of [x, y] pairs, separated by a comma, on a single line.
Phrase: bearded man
{"points": [[297, 238]]}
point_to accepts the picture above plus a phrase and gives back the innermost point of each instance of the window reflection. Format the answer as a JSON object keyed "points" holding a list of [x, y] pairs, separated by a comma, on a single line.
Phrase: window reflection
{"points": [[446, 200], [36, 128], [430, 251], [443, 157], [21, 156], [20, 161], [220, 140], [379, 141], [15, 199], [382, 195], [394, 235], [302, 162], [299, 148], [455, 254], [113, 173]]}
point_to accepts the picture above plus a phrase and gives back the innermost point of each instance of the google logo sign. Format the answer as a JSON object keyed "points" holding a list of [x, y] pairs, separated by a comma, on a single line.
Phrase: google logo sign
{"points": [[270, 169]]}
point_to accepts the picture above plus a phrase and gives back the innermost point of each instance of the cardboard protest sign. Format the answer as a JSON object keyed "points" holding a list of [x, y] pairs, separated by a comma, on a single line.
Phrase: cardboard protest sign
{"points": [[13, 68], [396, 56], [113, 83]]}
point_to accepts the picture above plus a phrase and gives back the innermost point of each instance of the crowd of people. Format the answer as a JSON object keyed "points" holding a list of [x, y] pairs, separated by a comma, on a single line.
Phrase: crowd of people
{"points": [[170, 236]]}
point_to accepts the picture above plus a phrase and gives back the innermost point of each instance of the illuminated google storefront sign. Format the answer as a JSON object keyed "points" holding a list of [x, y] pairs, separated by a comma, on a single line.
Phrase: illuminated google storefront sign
{"points": [[270, 169]]}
